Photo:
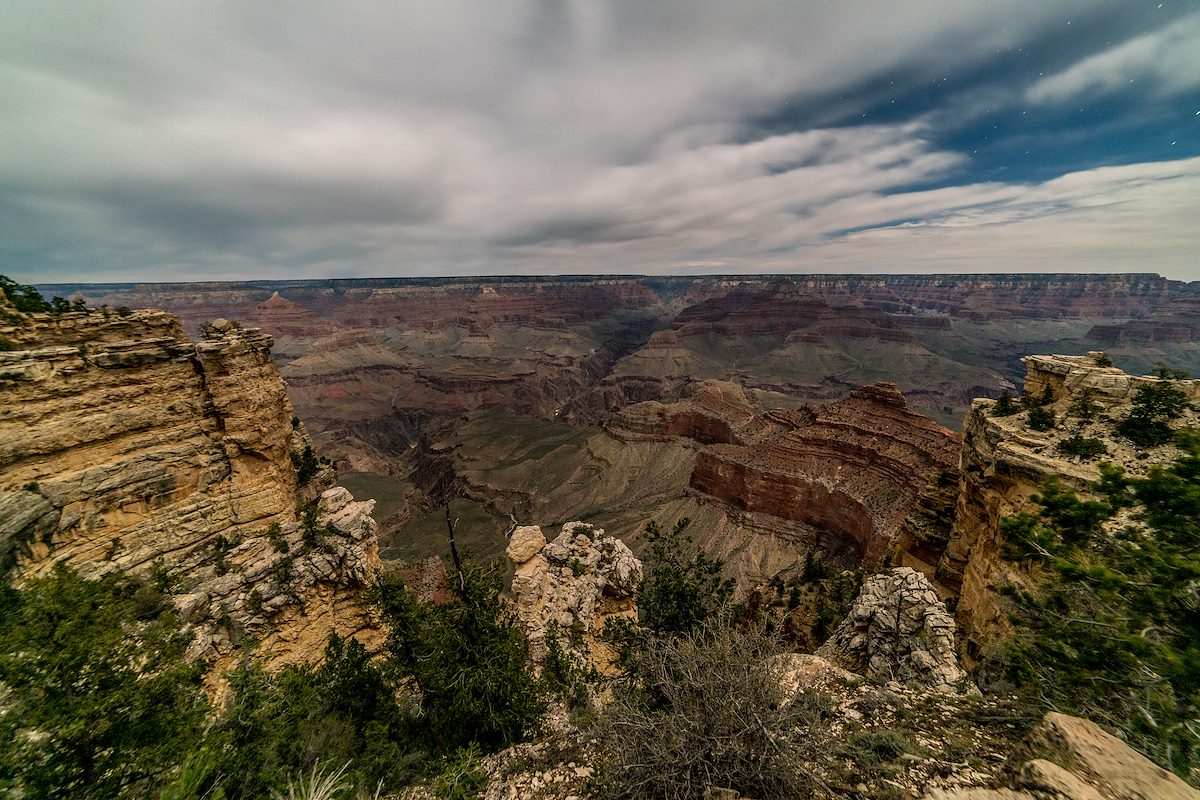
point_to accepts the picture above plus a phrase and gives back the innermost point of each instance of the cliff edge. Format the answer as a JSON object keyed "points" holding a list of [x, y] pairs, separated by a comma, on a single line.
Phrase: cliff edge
{"points": [[126, 446]]}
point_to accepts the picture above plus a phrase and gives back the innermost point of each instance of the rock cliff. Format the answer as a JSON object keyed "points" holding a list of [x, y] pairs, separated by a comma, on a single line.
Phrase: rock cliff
{"points": [[851, 470], [125, 446], [1003, 464]]}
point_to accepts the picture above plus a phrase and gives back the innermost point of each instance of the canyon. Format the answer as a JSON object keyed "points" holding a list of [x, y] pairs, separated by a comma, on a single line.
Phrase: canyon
{"points": [[781, 413], [126, 445], [526, 397]]}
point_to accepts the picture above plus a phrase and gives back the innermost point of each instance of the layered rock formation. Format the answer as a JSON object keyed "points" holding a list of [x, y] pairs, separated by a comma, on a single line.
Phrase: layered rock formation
{"points": [[125, 446], [279, 316], [898, 630], [852, 470], [571, 588], [374, 364]]}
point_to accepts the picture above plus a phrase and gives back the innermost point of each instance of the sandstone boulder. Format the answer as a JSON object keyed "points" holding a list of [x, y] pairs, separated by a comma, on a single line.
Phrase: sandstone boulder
{"points": [[526, 542], [1074, 759], [1081, 747]]}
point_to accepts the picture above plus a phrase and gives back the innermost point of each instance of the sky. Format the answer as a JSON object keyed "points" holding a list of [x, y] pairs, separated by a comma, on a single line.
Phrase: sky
{"points": [[164, 140]]}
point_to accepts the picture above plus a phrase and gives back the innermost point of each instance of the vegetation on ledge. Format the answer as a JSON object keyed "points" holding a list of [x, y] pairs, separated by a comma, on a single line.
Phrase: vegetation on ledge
{"points": [[1108, 622]]}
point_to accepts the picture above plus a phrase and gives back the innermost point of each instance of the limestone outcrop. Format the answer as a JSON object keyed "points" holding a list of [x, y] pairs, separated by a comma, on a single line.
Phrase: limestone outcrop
{"points": [[898, 630], [287, 589], [126, 446], [125, 450], [1068, 758], [571, 588]]}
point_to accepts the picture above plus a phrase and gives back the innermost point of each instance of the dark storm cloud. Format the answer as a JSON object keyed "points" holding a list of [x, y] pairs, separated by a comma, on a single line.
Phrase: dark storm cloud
{"points": [[197, 139]]}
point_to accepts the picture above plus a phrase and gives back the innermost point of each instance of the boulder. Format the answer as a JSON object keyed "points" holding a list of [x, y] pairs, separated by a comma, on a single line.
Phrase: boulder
{"points": [[899, 630]]}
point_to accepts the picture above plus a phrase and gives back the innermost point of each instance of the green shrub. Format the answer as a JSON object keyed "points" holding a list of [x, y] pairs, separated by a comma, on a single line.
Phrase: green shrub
{"points": [[1084, 406], [1041, 419], [99, 702], [707, 711], [1004, 405], [467, 658], [873, 748], [23, 298], [306, 465], [1111, 630], [279, 725], [1084, 447], [563, 676], [683, 585], [1029, 402], [1155, 405], [463, 776]]}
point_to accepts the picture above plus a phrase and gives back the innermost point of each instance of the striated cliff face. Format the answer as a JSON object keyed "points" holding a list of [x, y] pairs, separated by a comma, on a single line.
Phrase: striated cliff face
{"points": [[141, 446], [1003, 464], [851, 470], [125, 446]]}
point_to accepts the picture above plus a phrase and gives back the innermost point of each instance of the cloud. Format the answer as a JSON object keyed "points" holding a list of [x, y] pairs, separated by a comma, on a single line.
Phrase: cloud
{"points": [[219, 139], [1165, 62]]}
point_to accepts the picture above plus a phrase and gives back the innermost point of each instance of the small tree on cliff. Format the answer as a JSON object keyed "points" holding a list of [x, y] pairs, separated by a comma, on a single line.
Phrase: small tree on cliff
{"points": [[23, 298], [1155, 405], [683, 585], [466, 657], [1004, 405]]}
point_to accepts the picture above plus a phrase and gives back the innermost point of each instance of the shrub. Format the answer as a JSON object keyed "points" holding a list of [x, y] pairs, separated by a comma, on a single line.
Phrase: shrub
{"points": [[99, 702], [1044, 399], [709, 712], [1155, 405], [1102, 360], [1084, 447], [683, 585], [306, 465], [278, 725], [564, 677], [1110, 629], [1041, 419], [463, 777], [23, 298], [467, 658], [1084, 406], [1004, 405]]}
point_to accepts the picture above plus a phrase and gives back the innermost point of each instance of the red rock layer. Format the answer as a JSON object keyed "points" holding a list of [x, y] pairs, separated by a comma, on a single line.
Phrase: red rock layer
{"points": [[279, 316], [853, 470], [787, 308]]}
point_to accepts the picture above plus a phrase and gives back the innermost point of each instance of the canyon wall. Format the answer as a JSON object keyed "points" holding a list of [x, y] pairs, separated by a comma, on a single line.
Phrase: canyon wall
{"points": [[850, 472], [126, 446], [372, 364], [1004, 463]]}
